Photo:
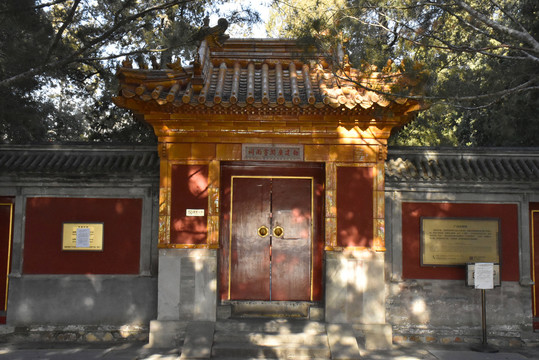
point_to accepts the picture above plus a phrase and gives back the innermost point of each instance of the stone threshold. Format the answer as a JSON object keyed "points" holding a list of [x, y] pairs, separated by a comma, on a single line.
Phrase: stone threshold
{"points": [[270, 309]]}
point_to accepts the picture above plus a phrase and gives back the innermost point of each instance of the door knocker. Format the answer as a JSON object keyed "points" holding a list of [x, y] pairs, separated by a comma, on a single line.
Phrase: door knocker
{"points": [[263, 231], [278, 231]]}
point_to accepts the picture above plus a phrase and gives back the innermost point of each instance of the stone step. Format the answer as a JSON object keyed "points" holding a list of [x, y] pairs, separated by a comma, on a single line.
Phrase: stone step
{"points": [[282, 309], [279, 326], [270, 358], [260, 338], [269, 339], [251, 351], [283, 339]]}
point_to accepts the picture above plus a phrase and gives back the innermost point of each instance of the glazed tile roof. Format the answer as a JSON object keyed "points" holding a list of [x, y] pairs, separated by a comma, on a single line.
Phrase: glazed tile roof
{"points": [[78, 160], [257, 74], [415, 165]]}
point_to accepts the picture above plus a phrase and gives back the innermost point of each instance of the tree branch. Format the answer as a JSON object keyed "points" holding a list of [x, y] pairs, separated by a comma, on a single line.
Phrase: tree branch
{"points": [[527, 86], [60, 32], [90, 45], [446, 45], [41, 6], [520, 35], [509, 15]]}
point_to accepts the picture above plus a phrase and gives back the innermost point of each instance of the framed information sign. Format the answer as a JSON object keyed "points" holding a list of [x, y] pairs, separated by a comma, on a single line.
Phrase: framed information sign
{"points": [[471, 278], [457, 241], [82, 236]]}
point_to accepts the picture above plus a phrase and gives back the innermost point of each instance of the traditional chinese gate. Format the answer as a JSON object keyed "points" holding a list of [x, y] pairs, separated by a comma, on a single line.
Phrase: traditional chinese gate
{"points": [[257, 224]]}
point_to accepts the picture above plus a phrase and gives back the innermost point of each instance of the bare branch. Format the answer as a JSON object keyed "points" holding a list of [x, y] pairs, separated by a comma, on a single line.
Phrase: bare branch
{"points": [[496, 100], [509, 15], [527, 86], [130, 53], [41, 6], [524, 87], [90, 45], [64, 26], [487, 51], [520, 35]]}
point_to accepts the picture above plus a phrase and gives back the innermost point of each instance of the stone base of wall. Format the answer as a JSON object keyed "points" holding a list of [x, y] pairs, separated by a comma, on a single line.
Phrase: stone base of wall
{"points": [[446, 312], [167, 333], [496, 337], [75, 333]]}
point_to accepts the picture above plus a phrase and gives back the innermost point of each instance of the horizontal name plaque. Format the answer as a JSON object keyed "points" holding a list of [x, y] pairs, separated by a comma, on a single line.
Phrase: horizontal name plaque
{"points": [[82, 237], [455, 242], [272, 152]]}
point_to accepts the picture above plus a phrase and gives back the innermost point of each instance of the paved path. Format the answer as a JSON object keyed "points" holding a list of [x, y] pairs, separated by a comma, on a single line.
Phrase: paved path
{"points": [[139, 351]]}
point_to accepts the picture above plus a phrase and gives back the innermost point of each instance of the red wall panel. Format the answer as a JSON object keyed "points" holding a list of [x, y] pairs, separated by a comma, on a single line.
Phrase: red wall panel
{"points": [[411, 215], [189, 191], [355, 206], [43, 236]]}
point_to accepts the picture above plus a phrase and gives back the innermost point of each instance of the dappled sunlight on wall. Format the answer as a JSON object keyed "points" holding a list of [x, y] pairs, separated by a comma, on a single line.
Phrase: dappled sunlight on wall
{"points": [[419, 311], [355, 206], [198, 181], [189, 191]]}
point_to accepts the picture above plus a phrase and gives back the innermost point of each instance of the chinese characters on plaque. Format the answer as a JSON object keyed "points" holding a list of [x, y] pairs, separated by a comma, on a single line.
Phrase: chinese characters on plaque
{"points": [[455, 242], [272, 152]]}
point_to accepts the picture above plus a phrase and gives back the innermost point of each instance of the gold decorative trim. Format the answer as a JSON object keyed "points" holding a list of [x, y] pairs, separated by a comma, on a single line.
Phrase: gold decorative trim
{"points": [[10, 232], [534, 212], [348, 248], [187, 246]]}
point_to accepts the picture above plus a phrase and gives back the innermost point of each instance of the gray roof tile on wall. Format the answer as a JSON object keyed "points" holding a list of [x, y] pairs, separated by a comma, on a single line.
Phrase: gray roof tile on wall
{"points": [[464, 165], [72, 160], [404, 165]]}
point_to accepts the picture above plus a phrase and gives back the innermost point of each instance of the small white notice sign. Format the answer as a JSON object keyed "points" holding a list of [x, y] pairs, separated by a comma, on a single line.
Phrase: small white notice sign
{"points": [[194, 212], [83, 238], [484, 275]]}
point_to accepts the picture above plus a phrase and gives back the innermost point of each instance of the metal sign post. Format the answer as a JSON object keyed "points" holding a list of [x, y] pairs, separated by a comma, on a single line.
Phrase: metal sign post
{"points": [[483, 276]]}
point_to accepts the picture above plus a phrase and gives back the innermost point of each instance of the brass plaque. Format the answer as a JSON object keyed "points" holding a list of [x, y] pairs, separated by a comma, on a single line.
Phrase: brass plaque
{"points": [[82, 237], [455, 242]]}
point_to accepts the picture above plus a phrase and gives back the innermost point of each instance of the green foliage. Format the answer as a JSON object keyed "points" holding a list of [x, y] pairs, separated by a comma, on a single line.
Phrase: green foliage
{"points": [[58, 61], [479, 60], [25, 35]]}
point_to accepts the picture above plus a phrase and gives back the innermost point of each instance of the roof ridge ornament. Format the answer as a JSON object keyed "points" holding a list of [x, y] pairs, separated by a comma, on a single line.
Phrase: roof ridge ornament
{"points": [[215, 36]]}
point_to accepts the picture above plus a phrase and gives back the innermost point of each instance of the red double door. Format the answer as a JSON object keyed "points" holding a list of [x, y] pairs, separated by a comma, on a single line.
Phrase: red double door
{"points": [[271, 238]]}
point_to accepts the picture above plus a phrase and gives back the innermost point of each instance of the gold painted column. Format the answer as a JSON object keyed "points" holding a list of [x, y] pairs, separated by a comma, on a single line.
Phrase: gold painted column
{"points": [[379, 202], [331, 205], [214, 175], [164, 196]]}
